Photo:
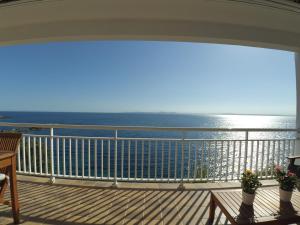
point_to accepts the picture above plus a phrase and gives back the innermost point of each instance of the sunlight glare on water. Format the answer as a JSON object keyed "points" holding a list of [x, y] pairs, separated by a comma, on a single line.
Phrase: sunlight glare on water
{"points": [[248, 121], [256, 121]]}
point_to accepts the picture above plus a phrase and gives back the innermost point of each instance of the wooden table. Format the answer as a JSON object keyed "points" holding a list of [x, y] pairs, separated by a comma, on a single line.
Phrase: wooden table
{"points": [[267, 209], [8, 160]]}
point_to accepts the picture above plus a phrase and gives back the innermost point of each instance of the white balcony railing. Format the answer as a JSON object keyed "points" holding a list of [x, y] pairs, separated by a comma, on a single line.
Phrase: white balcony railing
{"points": [[152, 159]]}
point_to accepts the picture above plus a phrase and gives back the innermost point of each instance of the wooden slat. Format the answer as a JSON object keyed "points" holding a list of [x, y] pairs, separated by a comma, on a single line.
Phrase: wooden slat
{"points": [[267, 209]]}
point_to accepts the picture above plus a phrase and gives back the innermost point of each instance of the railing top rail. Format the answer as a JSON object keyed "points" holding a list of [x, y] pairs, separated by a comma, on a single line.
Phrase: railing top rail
{"points": [[143, 128]]}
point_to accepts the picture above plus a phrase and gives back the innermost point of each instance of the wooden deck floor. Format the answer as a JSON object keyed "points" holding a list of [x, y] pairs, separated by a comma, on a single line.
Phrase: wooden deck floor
{"points": [[66, 205]]}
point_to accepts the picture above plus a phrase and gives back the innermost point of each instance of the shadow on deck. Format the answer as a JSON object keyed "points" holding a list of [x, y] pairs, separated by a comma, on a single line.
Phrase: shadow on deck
{"points": [[42, 203]]}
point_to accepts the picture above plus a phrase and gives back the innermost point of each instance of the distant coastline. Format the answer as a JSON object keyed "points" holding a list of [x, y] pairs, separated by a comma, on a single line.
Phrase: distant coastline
{"points": [[4, 117]]}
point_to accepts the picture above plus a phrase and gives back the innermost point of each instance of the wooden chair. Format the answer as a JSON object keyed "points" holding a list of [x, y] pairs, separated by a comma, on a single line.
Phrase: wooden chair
{"points": [[9, 143]]}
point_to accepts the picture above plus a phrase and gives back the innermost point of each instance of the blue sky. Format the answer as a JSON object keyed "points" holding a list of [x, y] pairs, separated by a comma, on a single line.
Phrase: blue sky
{"points": [[136, 76]]}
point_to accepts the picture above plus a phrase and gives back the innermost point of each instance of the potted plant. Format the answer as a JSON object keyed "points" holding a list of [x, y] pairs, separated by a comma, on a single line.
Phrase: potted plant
{"points": [[287, 183], [250, 183]]}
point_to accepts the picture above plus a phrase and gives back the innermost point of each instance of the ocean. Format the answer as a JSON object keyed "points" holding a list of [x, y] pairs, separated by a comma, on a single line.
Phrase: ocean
{"points": [[148, 119]]}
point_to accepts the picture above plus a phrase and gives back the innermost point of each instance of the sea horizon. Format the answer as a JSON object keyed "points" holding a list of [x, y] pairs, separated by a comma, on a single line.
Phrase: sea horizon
{"points": [[148, 112]]}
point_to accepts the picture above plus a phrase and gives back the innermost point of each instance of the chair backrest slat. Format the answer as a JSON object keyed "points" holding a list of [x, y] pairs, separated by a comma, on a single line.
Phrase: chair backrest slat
{"points": [[9, 142]]}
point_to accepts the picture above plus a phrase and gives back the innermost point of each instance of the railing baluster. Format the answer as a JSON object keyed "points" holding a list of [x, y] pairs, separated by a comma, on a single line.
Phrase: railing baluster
{"points": [[246, 149], [283, 155], [122, 158], [289, 148], [197, 146], [29, 153], [208, 160], [149, 158], [273, 159], [52, 177], [135, 160], [108, 159], [89, 158], [70, 157], [169, 160], [19, 159], [227, 160], [221, 161], [116, 158], [162, 159], [40, 155], [189, 161], [182, 163], [233, 159], [76, 157], [240, 157], [57, 156], [257, 154], [262, 159], [129, 152], [82, 158], [215, 159], [268, 158], [101, 159], [202, 159], [95, 158], [142, 164], [64, 156], [155, 161], [176, 158], [24, 155], [251, 155], [34, 155], [278, 152], [46, 155]]}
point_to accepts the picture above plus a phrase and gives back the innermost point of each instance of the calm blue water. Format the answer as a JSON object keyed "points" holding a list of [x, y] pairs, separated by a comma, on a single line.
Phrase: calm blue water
{"points": [[152, 153], [150, 119]]}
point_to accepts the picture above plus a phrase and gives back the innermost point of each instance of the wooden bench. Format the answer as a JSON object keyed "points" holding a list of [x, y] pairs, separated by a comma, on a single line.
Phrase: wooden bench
{"points": [[267, 209]]}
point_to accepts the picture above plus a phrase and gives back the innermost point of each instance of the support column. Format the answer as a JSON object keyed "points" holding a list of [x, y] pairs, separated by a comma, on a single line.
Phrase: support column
{"points": [[297, 64]]}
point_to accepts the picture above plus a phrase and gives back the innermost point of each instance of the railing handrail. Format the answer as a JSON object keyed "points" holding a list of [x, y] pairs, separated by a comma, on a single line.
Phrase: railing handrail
{"points": [[142, 128]]}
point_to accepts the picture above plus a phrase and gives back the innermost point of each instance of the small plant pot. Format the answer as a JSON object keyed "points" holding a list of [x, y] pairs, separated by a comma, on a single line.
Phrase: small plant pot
{"points": [[285, 196], [248, 199]]}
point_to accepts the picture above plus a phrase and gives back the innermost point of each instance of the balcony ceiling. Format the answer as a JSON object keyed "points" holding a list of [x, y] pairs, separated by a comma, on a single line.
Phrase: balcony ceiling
{"points": [[270, 24]]}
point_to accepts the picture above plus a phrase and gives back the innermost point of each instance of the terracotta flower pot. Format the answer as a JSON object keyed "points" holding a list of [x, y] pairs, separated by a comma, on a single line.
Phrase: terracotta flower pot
{"points": [[248, 199], [285, 196]]}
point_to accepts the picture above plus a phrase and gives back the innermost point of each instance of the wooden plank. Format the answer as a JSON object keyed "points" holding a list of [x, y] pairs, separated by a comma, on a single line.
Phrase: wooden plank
{"points": [[268, 202], [238, 200], [230, 205], [265, 203], [258, 211], [223, 209]]}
